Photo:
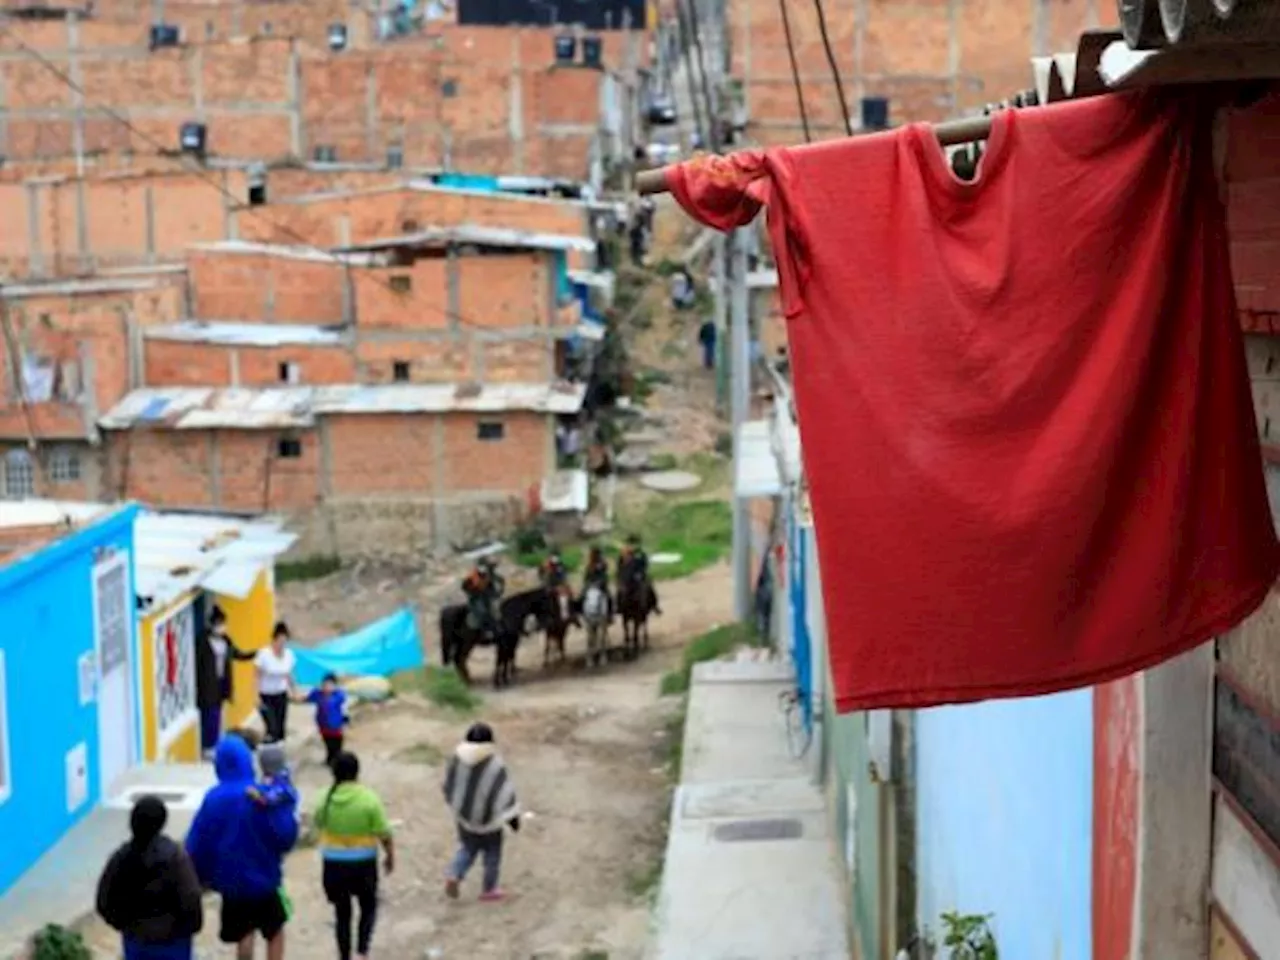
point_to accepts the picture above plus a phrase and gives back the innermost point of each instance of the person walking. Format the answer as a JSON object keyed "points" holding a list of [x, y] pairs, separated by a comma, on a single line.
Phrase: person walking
{"points": [[330, 701], [237, 846], [215, 654], [148, 890], [353, 825], [707, 338], [482, 797], [275, 664]]}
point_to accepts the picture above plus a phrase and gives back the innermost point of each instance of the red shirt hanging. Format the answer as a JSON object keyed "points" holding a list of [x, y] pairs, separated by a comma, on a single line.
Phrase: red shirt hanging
{"points": [[1024, 407]]}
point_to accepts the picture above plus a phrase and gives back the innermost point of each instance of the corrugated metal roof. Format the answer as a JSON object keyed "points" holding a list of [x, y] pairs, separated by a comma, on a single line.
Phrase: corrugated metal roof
{"points": [[502, 237], [1149, 24], [246, 334], [204, 408], [48, 513], [77, 287], [175, 553]]}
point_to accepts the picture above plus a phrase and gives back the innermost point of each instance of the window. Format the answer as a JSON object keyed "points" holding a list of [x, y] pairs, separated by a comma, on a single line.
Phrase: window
{"points": [[449, 88], [6, 783], [64, 465], [19, 475], [395, 156], [325, 154], [257, 194], [402, 283], [400, 371], [489, 430], [289, 448], [289, 372], [409, 226]]}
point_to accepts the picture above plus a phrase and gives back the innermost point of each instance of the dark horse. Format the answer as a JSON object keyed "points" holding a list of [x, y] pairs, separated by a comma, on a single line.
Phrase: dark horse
{"points": [[558, 611], [637, 600], [458, 639]]}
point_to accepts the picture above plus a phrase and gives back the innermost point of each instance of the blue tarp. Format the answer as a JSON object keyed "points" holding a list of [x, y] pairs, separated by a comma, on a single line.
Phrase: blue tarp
{"points": [[380, 649], [467, 181]]}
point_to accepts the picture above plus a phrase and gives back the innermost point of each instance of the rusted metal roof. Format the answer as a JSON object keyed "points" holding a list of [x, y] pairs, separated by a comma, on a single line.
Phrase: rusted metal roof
{"points": [[205, 408], [497, 237]]}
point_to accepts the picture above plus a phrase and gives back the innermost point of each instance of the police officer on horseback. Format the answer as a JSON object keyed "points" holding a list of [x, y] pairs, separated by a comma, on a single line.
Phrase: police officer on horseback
{"points": [[483, 587], [553, 572], [597, 572], [633, 568]]}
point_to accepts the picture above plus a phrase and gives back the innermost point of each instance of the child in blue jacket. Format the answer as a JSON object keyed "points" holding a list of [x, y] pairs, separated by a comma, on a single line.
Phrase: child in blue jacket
{"points": [[238, 848], [331, 715]]}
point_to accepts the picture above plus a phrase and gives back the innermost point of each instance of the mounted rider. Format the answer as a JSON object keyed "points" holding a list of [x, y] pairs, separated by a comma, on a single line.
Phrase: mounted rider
{"points": [[555, 580], [633, 568], [597, 572], [483, 587]]}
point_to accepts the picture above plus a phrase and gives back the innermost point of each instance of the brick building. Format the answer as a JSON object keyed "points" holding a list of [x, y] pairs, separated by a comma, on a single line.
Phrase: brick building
{"points": [[481, 100], [931, 60]]}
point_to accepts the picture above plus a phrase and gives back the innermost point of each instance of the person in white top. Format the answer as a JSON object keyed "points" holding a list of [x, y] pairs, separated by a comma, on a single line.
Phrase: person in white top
{"points": [[275, 665]]}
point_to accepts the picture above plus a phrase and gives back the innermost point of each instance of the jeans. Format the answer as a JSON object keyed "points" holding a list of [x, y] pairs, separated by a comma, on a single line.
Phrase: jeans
{"points": [[472, 845], [174, 950], [332, 747], [345, 881], [274, 708], [210, 726]]}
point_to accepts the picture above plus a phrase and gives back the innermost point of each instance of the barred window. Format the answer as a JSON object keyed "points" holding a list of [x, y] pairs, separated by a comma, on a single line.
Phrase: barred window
{"points": [[19, 475], [64, 465]]}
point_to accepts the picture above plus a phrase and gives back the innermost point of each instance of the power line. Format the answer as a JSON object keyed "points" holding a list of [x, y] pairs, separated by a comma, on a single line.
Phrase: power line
{"points": [[795, 70], [686, 43], [124, 121], [713, 125], [835, 70]]}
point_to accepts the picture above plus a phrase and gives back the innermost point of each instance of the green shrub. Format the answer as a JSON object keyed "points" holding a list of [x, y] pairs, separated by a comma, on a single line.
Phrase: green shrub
{"points": [[55, 942], [441, 685], [308, 568], [711, 645]]}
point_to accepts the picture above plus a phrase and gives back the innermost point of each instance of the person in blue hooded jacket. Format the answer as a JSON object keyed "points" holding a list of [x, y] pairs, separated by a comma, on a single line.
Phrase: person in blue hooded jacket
{"points": [[237, 848]]}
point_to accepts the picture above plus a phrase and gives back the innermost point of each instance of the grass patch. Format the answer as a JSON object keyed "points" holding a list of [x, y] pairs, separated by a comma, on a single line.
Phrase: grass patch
{"points": [[308, 568], [441, 685], [663, 461], [675, 743], [427, 754], [701, 531], [593, 955], [711, 645]]}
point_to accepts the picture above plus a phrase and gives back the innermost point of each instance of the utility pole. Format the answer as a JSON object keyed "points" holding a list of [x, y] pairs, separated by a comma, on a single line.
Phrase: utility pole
{"points": [[740, 405]]}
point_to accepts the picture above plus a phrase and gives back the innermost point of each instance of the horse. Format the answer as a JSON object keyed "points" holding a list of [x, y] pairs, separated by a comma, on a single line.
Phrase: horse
{"points": [[595, 611], [458, 639], [636, 601], [558, 613]]}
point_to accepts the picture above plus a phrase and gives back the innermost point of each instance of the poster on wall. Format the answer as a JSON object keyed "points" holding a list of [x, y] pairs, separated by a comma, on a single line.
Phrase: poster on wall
{"points": [[173, 661]]}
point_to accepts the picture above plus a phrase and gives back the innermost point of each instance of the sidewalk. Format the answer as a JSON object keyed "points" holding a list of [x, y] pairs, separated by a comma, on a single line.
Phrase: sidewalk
{"points": [[62, 886], [750, 870]]}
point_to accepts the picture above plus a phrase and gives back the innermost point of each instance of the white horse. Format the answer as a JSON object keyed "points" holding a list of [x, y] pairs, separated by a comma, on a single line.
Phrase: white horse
{"points": [[595, 612]]}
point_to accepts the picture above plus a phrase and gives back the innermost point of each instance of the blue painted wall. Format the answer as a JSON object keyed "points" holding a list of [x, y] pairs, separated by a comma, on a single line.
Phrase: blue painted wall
{"points": [[1004, 820], [801, 655], [46, 609]]}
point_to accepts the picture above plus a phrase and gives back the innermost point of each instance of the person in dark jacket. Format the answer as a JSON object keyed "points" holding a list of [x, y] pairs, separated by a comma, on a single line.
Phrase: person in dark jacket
{"points": [[149, 890], [237, 848], [215, 653]]}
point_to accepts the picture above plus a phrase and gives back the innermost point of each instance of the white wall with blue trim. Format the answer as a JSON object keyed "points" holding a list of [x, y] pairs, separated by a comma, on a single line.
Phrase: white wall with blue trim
{"points": [[51, 740]]}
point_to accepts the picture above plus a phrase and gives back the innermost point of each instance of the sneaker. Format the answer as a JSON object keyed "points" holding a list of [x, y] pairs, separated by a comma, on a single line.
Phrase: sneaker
{"points": [[451, 888], [492, 896]]}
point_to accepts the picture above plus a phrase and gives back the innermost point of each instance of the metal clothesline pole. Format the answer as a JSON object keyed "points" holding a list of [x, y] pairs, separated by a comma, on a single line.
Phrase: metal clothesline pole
{"points": [[968, 130]]}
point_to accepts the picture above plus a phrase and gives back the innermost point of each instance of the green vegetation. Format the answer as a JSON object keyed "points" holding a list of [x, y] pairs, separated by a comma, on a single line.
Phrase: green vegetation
{"points": [[441, 685], [308, 568], [593, 955], [711, 645], [55, 942], [968, 937]]}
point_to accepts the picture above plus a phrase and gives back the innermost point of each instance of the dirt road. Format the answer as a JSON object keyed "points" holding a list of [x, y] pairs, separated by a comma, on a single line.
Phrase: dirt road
{"points": [[587, 750]]}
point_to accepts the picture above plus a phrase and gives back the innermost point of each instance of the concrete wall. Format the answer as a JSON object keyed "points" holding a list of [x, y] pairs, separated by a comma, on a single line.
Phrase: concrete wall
{"points": [[47, 606], [1004, 793]]}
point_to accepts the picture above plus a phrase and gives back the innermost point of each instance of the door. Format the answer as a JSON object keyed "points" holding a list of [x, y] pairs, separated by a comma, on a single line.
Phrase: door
{"points": [[112, 614]]}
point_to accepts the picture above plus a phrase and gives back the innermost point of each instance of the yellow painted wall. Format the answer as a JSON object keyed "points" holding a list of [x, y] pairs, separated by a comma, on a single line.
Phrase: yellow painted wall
{"points": [[249, 623], [186, 747]]}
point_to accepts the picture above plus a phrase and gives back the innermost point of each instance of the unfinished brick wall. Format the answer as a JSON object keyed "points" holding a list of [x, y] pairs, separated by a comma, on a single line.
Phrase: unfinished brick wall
{"points": [[55, 476], [932, 58], [174, 363], [87, 336], [66, 226], [274, 99], [266, 287]]}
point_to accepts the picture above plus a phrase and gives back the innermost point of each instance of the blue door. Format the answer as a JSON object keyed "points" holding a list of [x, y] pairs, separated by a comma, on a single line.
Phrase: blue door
{"points": [[800, 650]]}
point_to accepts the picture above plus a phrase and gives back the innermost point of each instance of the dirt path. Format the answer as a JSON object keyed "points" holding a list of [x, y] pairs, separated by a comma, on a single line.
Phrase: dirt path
{"points": [[587, 751]]}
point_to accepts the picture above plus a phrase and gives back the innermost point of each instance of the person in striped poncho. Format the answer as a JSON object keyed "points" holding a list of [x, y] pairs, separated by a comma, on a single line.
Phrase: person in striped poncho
{"points": [[482, 797]]}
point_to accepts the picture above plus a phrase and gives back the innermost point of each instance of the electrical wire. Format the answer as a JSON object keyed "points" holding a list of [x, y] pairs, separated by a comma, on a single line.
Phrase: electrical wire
{"points": [[835, 70], [686, 44], [795, 70], [713, 125], [70, 83]]}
